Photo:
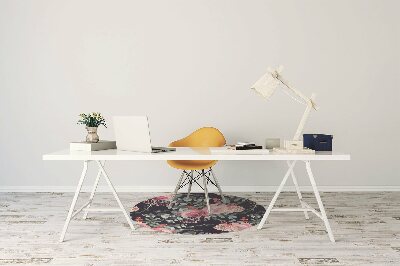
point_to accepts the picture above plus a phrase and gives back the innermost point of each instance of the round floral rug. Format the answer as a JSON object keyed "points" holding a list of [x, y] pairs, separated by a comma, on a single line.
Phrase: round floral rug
{"points": [[190, 215]]}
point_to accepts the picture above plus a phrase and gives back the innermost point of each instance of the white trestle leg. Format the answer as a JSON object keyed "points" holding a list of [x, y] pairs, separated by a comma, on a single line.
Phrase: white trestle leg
{"points": [[305, 207], [96, 182], [71, 209], [128, 218], [320, 205], [86, 207], [298, 190], [278, 191]]}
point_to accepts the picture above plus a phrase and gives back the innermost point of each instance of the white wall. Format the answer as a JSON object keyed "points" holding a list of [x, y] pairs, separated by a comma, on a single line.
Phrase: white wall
{"points": [[188, 64]]}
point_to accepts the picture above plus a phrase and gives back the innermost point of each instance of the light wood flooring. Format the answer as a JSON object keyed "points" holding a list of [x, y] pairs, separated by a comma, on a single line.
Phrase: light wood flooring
{"points": [[366, 226]]}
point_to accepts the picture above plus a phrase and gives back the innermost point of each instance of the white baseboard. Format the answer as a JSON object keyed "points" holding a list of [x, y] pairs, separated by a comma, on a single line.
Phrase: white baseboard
{"points": [[195, 189]]}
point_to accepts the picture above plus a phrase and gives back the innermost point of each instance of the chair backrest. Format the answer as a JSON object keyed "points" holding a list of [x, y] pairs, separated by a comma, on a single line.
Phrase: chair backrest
{"points": [[203, 137]]}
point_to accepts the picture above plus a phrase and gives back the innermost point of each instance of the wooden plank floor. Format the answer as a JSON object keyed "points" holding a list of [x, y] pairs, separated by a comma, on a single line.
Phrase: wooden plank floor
{"points": [[366, 226]]}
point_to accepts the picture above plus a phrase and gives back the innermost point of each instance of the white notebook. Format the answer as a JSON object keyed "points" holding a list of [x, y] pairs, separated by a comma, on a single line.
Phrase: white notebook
{"points": [[86, 146]]}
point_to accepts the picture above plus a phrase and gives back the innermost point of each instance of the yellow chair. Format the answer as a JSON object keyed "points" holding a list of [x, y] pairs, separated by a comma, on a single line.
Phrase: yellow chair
{"points": [[193, 170]]}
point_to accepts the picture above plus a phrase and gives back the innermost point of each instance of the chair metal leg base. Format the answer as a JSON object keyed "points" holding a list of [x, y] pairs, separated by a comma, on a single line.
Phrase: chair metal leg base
{"points": [[206, 192], [189, 178], [176, 189], [305, 207], [86, 207], [190, 184]]}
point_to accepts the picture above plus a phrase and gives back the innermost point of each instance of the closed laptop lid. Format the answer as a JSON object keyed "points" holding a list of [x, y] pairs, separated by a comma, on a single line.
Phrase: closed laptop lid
{"points": [[132, 133]]}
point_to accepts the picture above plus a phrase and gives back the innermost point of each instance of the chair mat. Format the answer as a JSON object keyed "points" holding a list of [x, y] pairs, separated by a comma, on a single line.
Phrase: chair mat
{"points": [[190, 215]]}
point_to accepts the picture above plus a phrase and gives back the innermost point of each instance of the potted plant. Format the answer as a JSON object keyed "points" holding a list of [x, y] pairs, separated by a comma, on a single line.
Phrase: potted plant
{"points": [[92, 121]]}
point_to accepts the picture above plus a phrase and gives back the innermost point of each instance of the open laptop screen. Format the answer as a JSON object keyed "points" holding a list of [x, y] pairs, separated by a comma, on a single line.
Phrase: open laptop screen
{"points": [[132, 133]]}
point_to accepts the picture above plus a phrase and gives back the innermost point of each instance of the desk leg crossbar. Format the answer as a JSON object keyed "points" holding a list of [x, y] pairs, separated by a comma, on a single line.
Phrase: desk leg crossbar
{"points": [[86, 207], [305, 207]]}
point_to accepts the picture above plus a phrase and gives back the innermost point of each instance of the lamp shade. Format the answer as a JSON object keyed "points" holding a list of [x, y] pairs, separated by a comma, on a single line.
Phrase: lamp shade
{"points": [[267, 84]]}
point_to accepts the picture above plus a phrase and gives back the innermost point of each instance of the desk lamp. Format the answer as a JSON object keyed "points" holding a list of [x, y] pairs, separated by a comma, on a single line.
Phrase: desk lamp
{"points": [[266, 86]]}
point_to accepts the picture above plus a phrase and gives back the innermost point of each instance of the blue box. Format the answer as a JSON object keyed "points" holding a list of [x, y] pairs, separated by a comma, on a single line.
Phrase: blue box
{"points": [[318, 142]]}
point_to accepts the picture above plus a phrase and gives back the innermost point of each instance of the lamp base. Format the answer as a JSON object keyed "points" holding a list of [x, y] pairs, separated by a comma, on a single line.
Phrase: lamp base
{"points": [[293, 151]]}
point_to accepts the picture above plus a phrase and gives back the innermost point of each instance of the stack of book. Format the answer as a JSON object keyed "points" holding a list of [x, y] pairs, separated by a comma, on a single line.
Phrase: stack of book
{"points": [[232, 150], [247, 146], [98, 146]]}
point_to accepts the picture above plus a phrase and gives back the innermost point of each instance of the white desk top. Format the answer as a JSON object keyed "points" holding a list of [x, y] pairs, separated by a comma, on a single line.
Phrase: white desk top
{"points": [[189, 154]]}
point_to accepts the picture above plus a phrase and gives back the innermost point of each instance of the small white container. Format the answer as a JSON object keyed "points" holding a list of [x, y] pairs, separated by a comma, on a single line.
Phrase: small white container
{"points": [[293, 144], [271, 143]]}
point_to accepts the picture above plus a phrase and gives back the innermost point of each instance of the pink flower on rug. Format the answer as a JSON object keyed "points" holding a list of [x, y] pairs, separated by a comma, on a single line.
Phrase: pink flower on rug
{"points": [[215, 209], [216, 200], [143, 225], [232, 227], [138, 220], [195, 213], [163, 229], [163, 197], [244, 219], [134, 209]]}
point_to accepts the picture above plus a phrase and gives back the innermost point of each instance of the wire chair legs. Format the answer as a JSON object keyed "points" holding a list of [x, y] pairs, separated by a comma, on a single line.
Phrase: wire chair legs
{"points": [[190, 184], [193, 177]]}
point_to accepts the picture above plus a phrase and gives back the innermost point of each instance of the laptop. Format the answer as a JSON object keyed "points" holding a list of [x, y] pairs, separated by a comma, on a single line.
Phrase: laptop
{"points": [[132, 133]]}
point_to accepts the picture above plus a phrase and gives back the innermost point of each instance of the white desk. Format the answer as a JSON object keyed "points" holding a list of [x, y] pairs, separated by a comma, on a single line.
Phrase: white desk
{"points": [[100, 157]]}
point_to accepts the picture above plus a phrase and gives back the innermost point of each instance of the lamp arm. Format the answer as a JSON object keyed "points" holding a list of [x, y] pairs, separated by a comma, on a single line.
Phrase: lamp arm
{"points": [[309, 102], [310, 105], [297, 92]]}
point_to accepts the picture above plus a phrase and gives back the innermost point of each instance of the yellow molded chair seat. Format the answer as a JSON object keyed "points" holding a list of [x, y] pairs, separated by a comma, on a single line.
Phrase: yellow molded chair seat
{"points": [[203, 137]]}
